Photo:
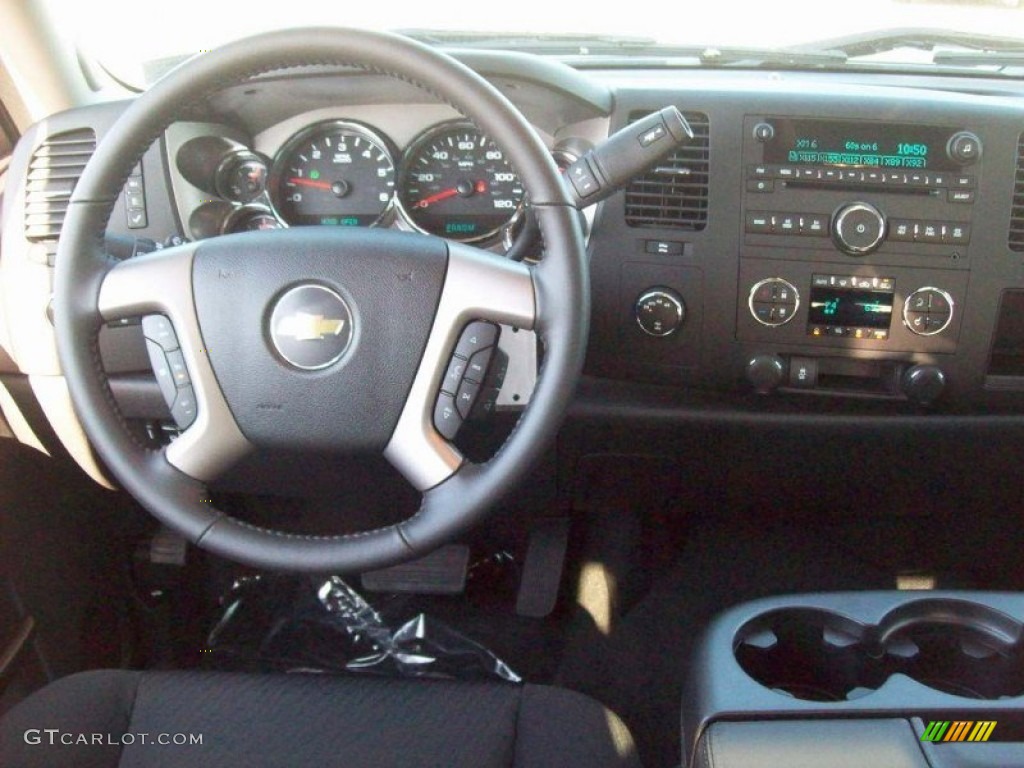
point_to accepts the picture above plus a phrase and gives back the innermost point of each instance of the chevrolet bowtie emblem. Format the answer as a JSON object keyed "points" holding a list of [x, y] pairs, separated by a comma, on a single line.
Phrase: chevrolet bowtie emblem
{"points": [[303, 326]]}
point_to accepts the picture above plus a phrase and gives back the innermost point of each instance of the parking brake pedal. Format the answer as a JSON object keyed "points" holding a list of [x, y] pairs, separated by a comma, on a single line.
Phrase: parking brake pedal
{"points": [[542, 570], [442, 572]]}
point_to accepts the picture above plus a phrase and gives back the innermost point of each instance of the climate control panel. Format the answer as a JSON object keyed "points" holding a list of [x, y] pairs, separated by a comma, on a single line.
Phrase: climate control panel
{"points": [[895, 309]]}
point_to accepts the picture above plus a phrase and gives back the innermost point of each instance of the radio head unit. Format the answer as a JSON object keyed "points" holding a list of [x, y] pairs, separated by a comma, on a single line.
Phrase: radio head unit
{"points": [[858, 144]]}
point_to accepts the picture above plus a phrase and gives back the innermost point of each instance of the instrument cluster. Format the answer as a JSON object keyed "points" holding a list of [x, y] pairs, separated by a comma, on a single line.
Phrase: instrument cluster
{"points": [[451, 181]]}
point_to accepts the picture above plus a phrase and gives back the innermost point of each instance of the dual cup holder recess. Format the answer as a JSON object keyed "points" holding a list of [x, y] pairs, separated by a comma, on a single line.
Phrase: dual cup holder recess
{"points": [[954, 646]]}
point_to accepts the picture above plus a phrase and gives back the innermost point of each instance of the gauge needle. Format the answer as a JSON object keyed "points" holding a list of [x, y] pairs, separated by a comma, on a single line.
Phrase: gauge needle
{"points": [[437, 197], [309, 182]]}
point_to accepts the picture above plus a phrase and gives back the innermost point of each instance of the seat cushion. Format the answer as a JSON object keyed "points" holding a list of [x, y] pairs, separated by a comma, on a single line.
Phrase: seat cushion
{"points": [[118, 718]]}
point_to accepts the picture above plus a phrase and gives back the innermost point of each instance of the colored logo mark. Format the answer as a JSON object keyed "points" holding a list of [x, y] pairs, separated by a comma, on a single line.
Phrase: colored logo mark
{"points": [[958, 730]]}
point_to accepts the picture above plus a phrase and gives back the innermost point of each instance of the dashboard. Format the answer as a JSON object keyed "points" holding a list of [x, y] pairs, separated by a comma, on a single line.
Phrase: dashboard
{"points": [[827, 243]]}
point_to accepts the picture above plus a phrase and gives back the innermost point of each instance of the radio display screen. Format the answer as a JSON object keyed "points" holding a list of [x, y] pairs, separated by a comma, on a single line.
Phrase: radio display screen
{"points": [[861, 306], [858, 144]]}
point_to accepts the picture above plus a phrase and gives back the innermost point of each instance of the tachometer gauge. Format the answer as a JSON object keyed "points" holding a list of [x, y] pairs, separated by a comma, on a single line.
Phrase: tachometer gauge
{"points": [[334, 173], [457, 184]]}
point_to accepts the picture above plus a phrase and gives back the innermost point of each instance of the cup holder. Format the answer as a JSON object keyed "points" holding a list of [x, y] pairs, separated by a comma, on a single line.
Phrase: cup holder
{"points": [[953, 646]]}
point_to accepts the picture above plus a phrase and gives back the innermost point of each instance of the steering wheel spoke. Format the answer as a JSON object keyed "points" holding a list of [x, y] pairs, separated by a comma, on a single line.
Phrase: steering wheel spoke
{"points": [[478, 286], [160, 283]]}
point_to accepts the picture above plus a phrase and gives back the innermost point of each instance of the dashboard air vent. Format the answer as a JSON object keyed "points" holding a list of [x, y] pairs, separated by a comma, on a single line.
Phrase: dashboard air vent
{"points": [[1017, 212], [675, 192], [53, 172]]}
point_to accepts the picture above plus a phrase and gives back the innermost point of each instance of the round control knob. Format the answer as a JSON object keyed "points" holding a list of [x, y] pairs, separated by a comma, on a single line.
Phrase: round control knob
{"points": [[765, 373], [773, 301], [858, 228], [764, 132], [923, 383], [660, 311], [964, 148], [928, 311]]}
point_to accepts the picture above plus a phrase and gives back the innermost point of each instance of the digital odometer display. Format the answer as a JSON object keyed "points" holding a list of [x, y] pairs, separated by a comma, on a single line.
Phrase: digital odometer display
{"points": [[456, 183], [857, 144]]}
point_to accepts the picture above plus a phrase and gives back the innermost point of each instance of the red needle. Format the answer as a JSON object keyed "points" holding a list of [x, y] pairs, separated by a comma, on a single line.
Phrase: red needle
{"points": [[309, 182], [438, 197]]}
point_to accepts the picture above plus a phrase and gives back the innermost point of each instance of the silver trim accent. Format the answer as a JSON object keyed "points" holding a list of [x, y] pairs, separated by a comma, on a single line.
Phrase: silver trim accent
{"points": [[478, 285], [326, 126], [663, 293], [766, 281], [837, 228], [906, 309], [161, 282]]}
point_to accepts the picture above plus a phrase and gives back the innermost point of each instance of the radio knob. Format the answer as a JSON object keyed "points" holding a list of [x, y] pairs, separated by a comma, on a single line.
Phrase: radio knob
{"points": [[858, 228], [964, 148], [660, 312]]}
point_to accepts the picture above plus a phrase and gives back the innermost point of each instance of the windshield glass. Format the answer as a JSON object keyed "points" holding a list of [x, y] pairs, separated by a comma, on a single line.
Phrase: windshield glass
{"points": [[135, 41]]}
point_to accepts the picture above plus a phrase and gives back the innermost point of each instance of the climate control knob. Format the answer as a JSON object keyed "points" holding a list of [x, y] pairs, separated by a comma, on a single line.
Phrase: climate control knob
{"points": [[928, 311], [660, 311], [858, 228], [923, 384], [773, 301], [765, 373]]}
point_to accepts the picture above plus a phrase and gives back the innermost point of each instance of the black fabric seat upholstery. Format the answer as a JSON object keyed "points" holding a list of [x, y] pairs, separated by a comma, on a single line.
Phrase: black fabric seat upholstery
{"points": [[250, 721]]}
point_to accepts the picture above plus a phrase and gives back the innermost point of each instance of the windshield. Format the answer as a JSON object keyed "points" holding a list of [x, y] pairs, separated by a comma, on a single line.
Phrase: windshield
{"points": [[136, 41]]}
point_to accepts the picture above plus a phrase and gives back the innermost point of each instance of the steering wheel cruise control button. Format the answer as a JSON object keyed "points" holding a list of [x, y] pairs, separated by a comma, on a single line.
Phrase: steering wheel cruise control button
{"points": [[158, 329], [178, 370], [184, 409]]}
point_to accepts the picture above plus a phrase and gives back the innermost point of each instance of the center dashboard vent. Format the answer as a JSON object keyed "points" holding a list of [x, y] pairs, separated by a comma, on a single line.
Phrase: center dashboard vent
{"points": [[675, 192], [1016, 240], [55, 168]]}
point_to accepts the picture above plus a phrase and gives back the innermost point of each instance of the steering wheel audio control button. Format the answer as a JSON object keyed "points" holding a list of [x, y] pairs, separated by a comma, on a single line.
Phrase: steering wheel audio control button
{"points": [[453, 376], [162, 371], [476, 370], [447, 420], [466, 398], [477, 335]]}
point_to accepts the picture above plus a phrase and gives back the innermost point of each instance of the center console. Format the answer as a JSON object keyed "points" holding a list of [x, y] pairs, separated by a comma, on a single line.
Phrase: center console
{"points": [[860, 679], [856, 237]]}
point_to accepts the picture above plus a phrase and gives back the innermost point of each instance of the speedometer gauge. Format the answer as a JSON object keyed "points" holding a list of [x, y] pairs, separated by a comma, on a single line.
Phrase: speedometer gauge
{"points": [[335, 173], [457, 184]]}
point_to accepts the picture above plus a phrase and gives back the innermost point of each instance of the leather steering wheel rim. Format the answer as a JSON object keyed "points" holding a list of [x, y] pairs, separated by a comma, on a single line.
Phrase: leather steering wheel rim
{"points": [[559, 291]]}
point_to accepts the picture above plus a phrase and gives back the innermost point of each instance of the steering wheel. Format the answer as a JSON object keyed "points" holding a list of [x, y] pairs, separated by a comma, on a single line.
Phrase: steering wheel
{"points": [[396, 304]]}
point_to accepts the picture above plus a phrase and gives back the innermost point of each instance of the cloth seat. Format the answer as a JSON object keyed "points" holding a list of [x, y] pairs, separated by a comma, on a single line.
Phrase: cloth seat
{"points": [[250, 721]]}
